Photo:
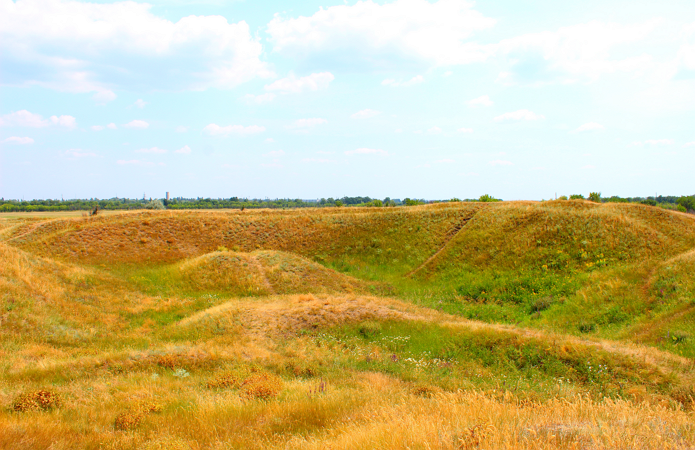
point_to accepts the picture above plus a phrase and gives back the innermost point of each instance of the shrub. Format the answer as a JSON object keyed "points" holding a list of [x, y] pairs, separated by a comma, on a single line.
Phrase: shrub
{"points": [[261, 385], [127, 421], [586, 327], [681, 208], [369, 329], [576, 197], [678, 337], [595, 197], [225, 380], [649, 202], [130, 420], [541, 304], [562, 197], [37, 400]]}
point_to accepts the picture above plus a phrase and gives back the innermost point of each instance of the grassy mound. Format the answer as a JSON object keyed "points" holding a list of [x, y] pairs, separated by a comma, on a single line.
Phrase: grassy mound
{"points": [[238, 274], [562, 324]]}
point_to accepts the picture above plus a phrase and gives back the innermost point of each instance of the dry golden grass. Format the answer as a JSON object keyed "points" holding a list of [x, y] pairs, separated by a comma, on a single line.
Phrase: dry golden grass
{"points": [[133, 331]]}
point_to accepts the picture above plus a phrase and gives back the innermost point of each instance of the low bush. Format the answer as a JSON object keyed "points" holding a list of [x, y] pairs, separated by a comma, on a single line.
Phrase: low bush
{"points": [[261, 386], [37, 400]]}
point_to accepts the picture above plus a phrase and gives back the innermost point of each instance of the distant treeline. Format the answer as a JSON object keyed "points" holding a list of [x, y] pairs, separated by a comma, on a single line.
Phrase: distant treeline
{"points": [[682, 203]]}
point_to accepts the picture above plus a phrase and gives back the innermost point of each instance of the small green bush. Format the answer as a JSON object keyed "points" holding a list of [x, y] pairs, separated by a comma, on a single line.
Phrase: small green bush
{"points": [[369, 329], [595, 197], [541, 304], [576, 197], [586, 327]]}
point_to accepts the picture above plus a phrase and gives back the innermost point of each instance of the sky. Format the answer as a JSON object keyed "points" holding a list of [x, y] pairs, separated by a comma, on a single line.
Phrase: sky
{"points": [[519, 99]]}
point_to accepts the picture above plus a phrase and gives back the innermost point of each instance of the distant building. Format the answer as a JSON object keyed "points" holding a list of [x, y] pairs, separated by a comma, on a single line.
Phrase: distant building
{"points": [[167, 196]]}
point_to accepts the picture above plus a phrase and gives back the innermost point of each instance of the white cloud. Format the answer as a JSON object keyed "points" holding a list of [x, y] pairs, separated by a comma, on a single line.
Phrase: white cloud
{"points": [[78, 153], [434, 130], [522, 114], [500, 162], [151, 150], [398, 130], [215, 130], [659, 142], [139, 124], [483, 100], [269, 140], [275, 153], [689, 144], [308, 123], [140, 103], [104, 96], [94, 47], [294, 85], [367, 151], [448, 73], [365, 114], [415, 80], [465, 130], [260, 99], [412, 32], [445, 160], [318, 160], [97, 127], [19, 140], [181, 129], [590, 126], [64, 121], [574, 53], [25, 118], [185, 150], [111, 126], [133, 162]]}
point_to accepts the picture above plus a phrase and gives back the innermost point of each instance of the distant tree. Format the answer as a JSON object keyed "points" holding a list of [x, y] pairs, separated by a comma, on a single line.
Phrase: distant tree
{"points": [[454, 199], [649, 202], [155, 204], [338, 203], [562, 197], [577, 197], [488, 198], [687, 202], [595, 197], [412, 202]]}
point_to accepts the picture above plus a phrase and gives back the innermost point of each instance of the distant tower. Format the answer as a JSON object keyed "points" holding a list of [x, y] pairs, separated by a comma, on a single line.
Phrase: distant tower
{"points": [[167, 196]]}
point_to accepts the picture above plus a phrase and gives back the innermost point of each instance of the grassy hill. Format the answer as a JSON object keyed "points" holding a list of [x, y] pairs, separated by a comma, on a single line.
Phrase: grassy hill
{"points": [[562, 324]]}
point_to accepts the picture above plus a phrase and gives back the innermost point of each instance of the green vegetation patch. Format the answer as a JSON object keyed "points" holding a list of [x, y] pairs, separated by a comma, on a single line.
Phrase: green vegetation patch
{"points": [[453, 357]]}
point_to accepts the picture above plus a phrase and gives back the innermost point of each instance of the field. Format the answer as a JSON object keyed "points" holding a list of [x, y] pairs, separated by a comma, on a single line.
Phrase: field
{"points": [[536, 325]]}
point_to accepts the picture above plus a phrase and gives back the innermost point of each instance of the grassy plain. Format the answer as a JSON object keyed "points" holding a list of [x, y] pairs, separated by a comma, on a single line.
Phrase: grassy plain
{"points": [[563, 324]]}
